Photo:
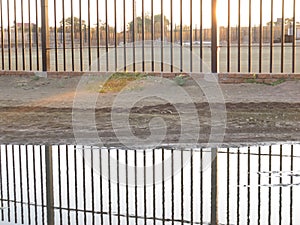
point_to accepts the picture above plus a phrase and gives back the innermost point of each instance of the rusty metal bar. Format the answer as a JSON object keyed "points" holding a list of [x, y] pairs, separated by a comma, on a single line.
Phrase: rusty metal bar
{"points": [[228, 36], [214, 186], [49, 185], [45, 35], [214, 38]]}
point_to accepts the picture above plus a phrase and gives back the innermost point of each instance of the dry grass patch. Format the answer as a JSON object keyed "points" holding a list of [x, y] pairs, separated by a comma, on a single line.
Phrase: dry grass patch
{"points": [[118, 81]]}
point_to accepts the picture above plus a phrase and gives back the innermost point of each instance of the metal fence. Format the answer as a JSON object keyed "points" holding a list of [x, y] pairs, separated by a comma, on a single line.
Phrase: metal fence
{"points": [[56, 185], [150, 35]]}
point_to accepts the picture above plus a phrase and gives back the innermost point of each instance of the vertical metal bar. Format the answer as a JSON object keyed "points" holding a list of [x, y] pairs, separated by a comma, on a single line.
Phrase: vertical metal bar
{"points": [[7, 185], [106, 34], [214, 38], [45, 36], [182, 187], [282, 37], [201, 186], [271, 36], [28, 185], [34, 183], [2, 36], [294, 38], [270, 188], [49, 185], [291, 187], [30, 35], [14, 184], [21, 185], [42, 183], [214, 187], [109, 190], [23, 37], [280, 187], [238, 185], [248, 186], [68, 184], [37, 35], [228, 187], [143, 35], [55, 35], [145, 187], [259, 186], [101, 186], [239, 36], [191, 35], [172, 186], [64, 35], [163, 186], [80, 42], [16, 35], [116, 35], [124, 34], [59, 185], [126, 186], [201, 35], [133, 33], [250, 38], [162, 32], [98, 36], [1, 185], [171, 35], [8, 36], [181, 37], [84, 186], [260, 37], [76, 185], [118, 186], [89, 34], [152, 36], [229, 36], [92, 186], [135, 188], [192, 187], [72, 35], [153, 188]]}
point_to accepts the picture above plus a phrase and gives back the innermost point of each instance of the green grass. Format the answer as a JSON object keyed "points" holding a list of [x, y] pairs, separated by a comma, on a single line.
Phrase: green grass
{"points": [[35, 78], [277, 82], [181, 80]]}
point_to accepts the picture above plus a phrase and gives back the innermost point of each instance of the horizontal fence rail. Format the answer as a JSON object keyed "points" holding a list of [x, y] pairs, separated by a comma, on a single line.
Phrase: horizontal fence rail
{"points": [[256, 185], [150, 35]]}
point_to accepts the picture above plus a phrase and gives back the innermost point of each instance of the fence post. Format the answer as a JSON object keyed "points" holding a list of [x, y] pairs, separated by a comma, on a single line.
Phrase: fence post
{"points": [[45, 35], [214, 38], [49, 185], [214, 186]]}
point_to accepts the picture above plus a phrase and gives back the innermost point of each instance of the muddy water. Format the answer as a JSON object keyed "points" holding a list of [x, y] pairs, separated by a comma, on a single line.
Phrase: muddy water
{"points": [[256, 185]]}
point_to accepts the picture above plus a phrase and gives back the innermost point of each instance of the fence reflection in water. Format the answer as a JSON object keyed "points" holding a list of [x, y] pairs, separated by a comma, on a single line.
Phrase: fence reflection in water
{"points": [[256, 185]]}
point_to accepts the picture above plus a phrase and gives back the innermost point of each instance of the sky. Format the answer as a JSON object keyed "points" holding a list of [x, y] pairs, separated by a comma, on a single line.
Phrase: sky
{"points": [[222, 11]]}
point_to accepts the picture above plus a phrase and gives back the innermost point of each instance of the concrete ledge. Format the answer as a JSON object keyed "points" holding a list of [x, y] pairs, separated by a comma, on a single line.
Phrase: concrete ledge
{"points": [[224, 78]]}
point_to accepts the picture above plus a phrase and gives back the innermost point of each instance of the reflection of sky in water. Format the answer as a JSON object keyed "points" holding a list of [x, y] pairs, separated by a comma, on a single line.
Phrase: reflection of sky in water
{"points": [[279, 183]]}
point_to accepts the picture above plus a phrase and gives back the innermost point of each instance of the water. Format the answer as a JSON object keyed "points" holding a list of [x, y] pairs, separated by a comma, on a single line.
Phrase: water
{"points": [[256, 185]]}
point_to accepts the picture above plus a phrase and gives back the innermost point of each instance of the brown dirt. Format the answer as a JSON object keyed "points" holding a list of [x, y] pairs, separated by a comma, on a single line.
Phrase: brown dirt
{"points": [[39, 111]]}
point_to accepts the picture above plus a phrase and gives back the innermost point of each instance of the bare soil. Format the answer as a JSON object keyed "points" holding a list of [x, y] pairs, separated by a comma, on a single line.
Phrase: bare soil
{"points": [[39, 111]]}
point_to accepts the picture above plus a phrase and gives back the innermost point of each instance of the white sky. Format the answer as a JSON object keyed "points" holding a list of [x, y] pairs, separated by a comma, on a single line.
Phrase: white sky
{"points": [[223, 7]]}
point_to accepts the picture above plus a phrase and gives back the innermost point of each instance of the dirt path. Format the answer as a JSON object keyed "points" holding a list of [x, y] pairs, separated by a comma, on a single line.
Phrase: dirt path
{"points": [[39, 111]]}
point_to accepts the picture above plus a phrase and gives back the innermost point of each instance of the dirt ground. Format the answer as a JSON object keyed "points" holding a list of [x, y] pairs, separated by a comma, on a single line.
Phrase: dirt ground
{"points": [[41, 111]]}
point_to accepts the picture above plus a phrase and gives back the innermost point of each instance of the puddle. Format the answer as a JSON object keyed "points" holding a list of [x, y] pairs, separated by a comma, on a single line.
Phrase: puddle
{"points": [[248, 190]]}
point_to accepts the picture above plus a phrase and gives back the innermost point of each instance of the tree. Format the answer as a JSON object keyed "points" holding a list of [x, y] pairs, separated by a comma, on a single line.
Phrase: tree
{"points": [[157, 21], [76, 24], [147, 23]]}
